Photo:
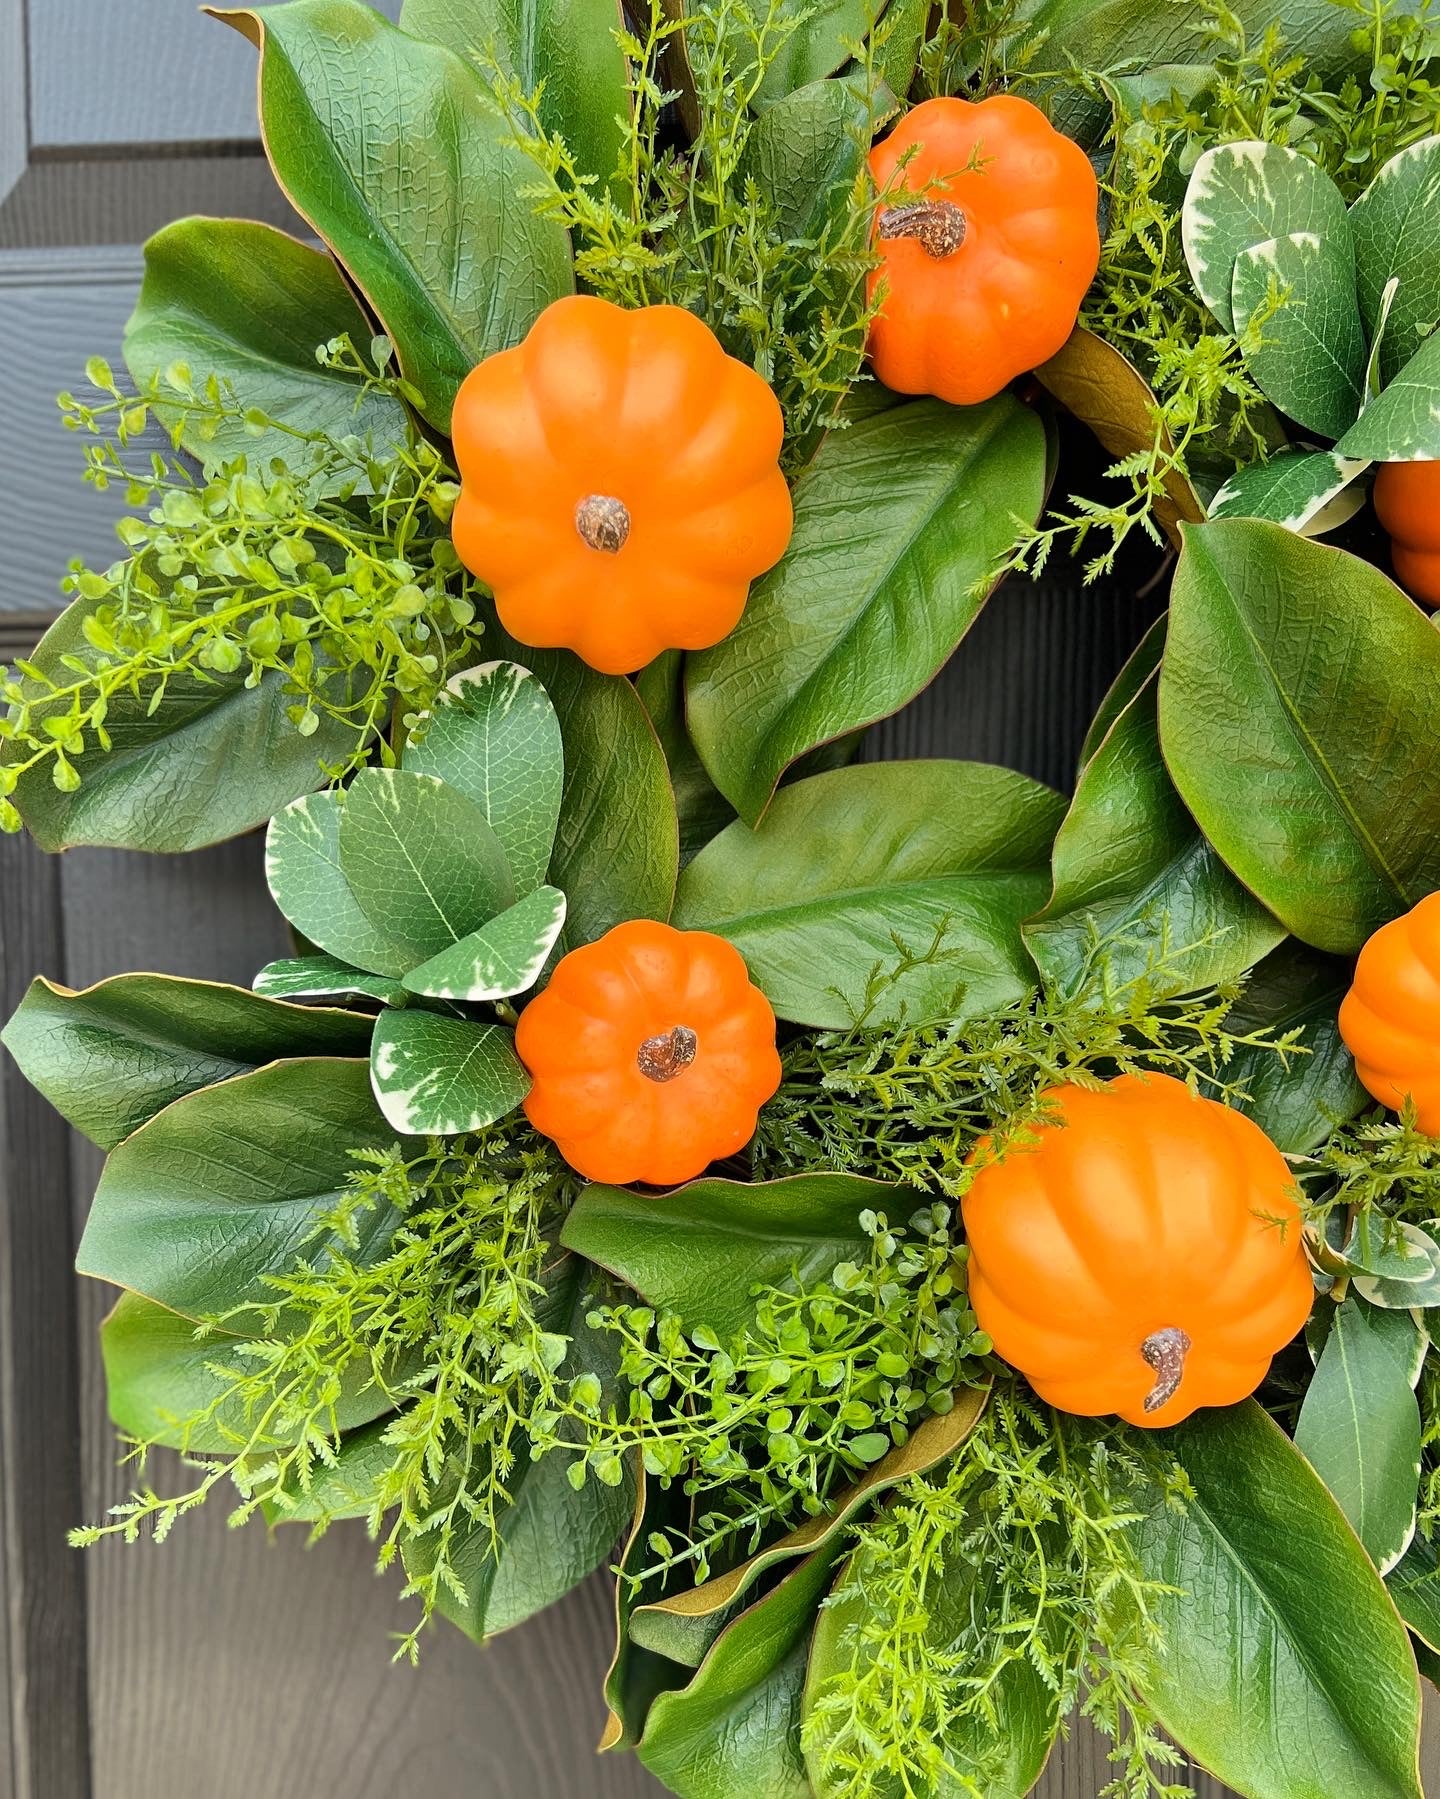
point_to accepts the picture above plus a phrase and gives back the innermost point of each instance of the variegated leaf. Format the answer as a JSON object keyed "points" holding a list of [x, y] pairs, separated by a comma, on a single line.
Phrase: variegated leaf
{"points": [[437, 1076], [503, 957]]}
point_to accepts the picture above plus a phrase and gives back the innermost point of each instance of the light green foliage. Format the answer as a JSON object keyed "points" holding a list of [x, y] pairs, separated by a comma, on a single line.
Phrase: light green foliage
{"points": [[333, 572], [695, 230]]}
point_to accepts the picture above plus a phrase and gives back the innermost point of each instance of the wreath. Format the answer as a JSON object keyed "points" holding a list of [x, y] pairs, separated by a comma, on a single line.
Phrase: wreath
{"points": [[971, 1248]]}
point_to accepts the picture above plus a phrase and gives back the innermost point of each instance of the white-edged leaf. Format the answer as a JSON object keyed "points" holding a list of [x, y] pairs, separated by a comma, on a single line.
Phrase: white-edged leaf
{"points": [[1378, 338], [1310, 361], [503, 957], [1402, 424], [1359, 1427], [1244, 194], [1401, 1295], [302, 867], [1293, 488], [437, 1076], [421, 860], [1395, 225], [493, 736], [1383, 1248], [323, 977]]}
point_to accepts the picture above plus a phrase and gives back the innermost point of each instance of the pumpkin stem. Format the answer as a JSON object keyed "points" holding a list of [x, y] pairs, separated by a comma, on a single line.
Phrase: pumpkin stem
{"points": [[604, 522], [662, 1058], [938, 226], [1165, 1351]]}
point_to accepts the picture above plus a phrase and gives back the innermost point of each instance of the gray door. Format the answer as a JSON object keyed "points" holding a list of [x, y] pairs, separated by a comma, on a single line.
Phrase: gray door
{"points": [[225, 1663]]}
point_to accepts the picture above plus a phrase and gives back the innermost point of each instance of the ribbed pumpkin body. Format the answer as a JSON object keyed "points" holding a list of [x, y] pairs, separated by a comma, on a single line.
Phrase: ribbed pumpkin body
{"points": [[1407, 499], [961, 319], [1390, 1018], [1146, 1216], [651, 1054], [620, 483]]}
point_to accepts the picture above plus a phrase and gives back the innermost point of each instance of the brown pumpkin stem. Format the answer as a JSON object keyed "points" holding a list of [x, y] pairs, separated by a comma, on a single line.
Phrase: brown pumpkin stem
{"points": [[604, 522], [662, 1058], [938, 226], [1165, 1351]]}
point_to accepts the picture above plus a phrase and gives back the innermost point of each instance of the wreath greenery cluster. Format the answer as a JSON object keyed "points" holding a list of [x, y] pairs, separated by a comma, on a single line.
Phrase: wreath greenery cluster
{"points": [[858, 1554]]}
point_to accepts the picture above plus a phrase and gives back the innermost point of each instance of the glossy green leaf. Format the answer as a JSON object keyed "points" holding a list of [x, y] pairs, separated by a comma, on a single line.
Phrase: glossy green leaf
{"points": [[1138, 668], [805, 152], [702, 810], [167, 783], [963, 1603], [803, 44], [1310, 361], [1297, 1100], [111, 1056], [550, 1537], [440, 1076], [1286, 1670], [163, 1384], [565, 49], [637, 1674], [898, 520], [944, 858], [503, 957], [421, 860], [1401, 1295], [1250, 193], [250, 305], [1359, 1426], [1395, 225], [1293, 488], [323, 977], [396, 155], [701, 1250], [1139, 894], [493, 736], [684, 1626], [344, 1488], [1414, 1585], [1296, 714], [736, 1727], [307, 883], [231, 1184], [1402, 424]]}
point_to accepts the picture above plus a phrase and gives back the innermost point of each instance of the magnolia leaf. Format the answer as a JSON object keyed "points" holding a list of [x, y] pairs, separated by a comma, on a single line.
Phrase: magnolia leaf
{"points": [[636, 1674], [1414, 1585], [1402, 424], [249, 305], [920, 870], [1139, 666], [803, 43], [550, 1535], [1286, 1669], [1104, 390], [167, 782], [1359, 1426], [1293, 488], [344, 1487], [1286, 664], [393, 151], [1296, 1099], [113, 1055], [1250, 193], [1395, 225], [1310, 360], [493, 736], [805, 152], [900, 521], [503, 957], [684, 1626], [702, 1251], [200, 1208], [1139, 894], [307, 883], [421, 861], [437, 1076], [703, 811], [323, 977], [564, 52]]}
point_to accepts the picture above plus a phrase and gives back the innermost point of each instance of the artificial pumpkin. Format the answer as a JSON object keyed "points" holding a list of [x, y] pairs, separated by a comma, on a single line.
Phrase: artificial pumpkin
{"points": [[651, 1054], [1407, 499], [619, 482], [1142, 1254], [987, 239], [1390, 1018]]}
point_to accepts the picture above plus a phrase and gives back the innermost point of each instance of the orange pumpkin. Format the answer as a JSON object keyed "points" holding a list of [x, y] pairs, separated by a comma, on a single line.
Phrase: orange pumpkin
{"points": [[619, 482], [651, 1054], [1141, 1255], [1407, 499], [988, 240], [1390, 1018]]}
